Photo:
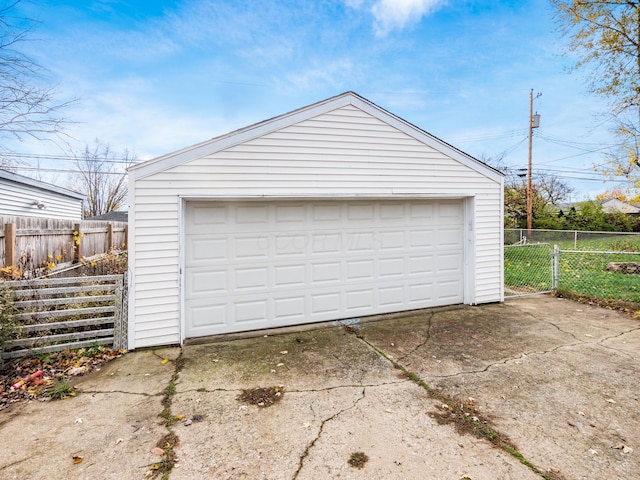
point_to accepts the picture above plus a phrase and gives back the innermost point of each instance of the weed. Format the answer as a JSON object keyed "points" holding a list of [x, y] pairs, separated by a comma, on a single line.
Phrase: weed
{"points": [[466, 418], [46, 358], [168, 444], [60, 390], [262, 397], [9, 327], [358, 459], [170, 440]]}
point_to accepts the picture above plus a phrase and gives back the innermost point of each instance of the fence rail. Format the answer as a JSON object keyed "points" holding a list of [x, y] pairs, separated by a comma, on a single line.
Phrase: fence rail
{"points": [[28, 243], [59, 313]]}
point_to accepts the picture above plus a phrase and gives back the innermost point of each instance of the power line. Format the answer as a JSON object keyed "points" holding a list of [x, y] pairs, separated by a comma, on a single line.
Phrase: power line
{"points": [[72, 158]]}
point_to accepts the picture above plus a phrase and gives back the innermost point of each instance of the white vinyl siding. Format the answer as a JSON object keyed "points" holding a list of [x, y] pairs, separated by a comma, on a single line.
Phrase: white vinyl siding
{"points": [[344, 153], [18, 199]]}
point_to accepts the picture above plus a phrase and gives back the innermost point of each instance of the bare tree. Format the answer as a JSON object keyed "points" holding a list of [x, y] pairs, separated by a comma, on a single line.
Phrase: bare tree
{"points": [[102, 178], [27, 109]]}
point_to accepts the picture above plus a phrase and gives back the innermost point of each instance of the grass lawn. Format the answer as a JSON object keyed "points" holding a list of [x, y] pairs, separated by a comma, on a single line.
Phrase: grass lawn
{"points": [[581, 274]]}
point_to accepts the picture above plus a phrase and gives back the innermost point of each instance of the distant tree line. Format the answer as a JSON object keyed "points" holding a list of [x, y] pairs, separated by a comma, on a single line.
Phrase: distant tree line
{"points": [[551, 211]]}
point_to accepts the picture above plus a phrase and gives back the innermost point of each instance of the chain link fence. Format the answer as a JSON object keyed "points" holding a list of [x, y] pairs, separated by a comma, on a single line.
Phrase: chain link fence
{"points": [[600, 275], [575, 239], [528, 269], [612, 276]]}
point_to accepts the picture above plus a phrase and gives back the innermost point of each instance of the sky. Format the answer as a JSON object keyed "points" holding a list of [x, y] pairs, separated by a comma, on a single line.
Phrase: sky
{"points": [[153, 77]]}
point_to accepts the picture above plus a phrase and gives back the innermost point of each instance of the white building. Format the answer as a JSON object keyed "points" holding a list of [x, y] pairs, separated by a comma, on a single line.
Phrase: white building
{"points": [[25, 197], [334, 211]]}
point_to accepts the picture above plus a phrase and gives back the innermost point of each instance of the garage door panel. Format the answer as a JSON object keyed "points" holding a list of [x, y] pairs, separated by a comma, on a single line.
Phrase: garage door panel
{"points": [[292, 245], [290, 276], [421, 211], [206, 314], [251, 278], [449, 263], [450, 237], [203, 281], [391, 296], [269, 264], [448, 289], [203, 249], [251, 247], [360, 269], [392, 240], [325, 302], [326, 213], [250, 311], [326, 243], [290, 307]]}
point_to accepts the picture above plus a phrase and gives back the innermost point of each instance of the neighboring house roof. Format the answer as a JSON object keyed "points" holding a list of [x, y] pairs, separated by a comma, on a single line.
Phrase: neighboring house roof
{"points": [[615, 205], [112, 217], [144, 169], [14, 177]]}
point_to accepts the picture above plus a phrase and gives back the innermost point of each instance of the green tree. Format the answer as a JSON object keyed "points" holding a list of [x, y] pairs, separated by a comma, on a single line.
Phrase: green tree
{"points": [[547, 195], [590, 216], [605, 36]]}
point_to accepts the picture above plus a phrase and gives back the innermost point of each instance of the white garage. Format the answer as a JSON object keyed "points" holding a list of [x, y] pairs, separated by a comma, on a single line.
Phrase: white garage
{"points": [[335, 211]]}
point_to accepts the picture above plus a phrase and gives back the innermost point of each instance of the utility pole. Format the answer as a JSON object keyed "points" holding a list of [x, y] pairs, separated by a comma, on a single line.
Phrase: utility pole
{"points": [[534, 122]]}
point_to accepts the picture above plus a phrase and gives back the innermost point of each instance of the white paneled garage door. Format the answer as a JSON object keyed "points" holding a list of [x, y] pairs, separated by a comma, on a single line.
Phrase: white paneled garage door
{"points": [[262, 264]]}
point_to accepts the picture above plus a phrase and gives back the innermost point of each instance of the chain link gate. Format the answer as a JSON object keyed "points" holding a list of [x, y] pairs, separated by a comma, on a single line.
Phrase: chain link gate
{"points": [[529, 269]]}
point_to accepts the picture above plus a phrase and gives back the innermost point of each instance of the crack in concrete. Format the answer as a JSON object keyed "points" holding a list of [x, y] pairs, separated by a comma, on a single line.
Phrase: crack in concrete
{"points": [[305, 454], [488, 432], [507, 360], [314, 390], [96, 392], [422, 344], [12, 464], [557, 327], [579, 342]]}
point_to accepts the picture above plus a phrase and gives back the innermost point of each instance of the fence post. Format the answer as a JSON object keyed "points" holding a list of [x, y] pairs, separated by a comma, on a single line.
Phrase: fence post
{"points": [[556, 267], [117, 321], [121, 317], [10, 256], [109, 237], [126, 237], [77, 242]]}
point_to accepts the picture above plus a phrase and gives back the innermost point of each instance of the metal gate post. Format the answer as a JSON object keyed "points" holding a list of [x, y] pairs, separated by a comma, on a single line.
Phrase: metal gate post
{"points": [[556, 268]]}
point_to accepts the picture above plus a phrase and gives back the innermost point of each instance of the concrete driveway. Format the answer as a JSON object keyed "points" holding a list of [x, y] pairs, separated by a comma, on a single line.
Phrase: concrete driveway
{"points": [[534, 388]]}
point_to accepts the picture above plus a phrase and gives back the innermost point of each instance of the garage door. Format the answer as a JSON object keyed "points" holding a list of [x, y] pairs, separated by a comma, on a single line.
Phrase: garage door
{"points": [[252, 265]]}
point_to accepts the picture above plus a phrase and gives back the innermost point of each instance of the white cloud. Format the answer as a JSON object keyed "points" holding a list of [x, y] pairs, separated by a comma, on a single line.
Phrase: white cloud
{"points": [[397, 14]]}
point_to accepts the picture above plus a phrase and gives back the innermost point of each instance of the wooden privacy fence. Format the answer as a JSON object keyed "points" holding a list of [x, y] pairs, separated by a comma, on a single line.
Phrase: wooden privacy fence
{"points": [[28, 243], [59, 313]]}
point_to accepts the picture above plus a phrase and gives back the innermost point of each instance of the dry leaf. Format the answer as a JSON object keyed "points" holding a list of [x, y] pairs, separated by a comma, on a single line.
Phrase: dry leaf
{"points": [[157, 451], [77, 460], [624, 448]]}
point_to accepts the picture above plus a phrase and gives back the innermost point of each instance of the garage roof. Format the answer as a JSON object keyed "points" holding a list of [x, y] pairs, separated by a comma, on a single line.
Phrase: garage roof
{"points": [[150, 167]]}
